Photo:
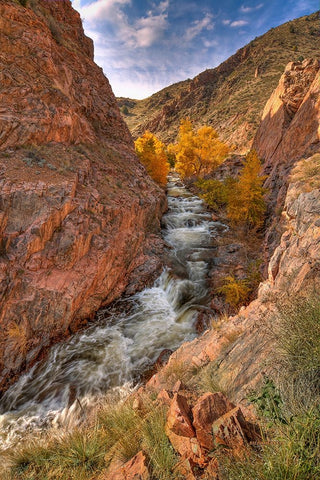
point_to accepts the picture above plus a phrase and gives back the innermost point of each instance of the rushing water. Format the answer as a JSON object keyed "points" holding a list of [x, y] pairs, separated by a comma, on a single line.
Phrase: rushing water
{"points": [[111, 353]]}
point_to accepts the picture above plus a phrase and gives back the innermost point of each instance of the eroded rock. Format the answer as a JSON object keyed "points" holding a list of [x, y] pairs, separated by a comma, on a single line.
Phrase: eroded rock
{"points": [[208, 408]]}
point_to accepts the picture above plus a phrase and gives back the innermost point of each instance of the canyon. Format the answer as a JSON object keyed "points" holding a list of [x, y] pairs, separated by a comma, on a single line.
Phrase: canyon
{"points": [[80, 228]]}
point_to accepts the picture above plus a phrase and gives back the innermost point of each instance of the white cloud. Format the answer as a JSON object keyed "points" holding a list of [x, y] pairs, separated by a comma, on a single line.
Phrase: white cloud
{"points": [[147, 30], [226, 22], [101, 10], [143, 32], [238, 23], [245, 9], [210, 43], [198, 26]]}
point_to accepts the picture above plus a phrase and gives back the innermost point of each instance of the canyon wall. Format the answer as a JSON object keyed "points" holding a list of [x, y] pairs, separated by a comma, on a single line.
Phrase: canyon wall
{"points": [[240, 348], [78, 213]]}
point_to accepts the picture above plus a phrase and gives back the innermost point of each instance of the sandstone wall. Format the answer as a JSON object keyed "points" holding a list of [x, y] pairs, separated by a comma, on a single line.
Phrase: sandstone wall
{"points": [[75, 220]]}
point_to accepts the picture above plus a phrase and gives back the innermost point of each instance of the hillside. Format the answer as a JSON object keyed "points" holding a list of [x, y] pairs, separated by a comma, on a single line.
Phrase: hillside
{"points": [[232, 96], [77, 209], [242, 400]]}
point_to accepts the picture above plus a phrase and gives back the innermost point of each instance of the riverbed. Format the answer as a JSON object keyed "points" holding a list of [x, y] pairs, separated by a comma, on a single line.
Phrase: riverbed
{"points": [[125, 341]]}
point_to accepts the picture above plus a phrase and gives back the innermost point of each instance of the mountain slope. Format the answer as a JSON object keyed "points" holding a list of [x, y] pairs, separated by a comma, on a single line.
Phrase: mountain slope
{"points": [[230, 97]]}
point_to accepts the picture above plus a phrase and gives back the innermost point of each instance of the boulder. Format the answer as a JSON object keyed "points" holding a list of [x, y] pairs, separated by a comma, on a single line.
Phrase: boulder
{"points": [[178, 420], [209, 408], [134, 469], [228, 430], [187, 447]]}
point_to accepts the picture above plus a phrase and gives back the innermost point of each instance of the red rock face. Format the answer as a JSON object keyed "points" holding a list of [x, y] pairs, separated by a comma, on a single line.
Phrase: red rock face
{"points": [[289, 131], [287, 128], [75, 221]]}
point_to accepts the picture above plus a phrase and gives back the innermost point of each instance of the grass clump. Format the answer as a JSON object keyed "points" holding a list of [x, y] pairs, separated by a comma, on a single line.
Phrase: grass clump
{"points": [[76, 456], [296, 332], [288, 404], [118, 432], [307, 171], [157, 445], [122, 425], [177, 370]]}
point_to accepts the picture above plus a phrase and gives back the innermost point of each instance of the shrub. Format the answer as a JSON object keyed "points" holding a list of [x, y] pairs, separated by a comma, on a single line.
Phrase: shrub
{"points": [[246, 203], [235, 290], [214, 192]]}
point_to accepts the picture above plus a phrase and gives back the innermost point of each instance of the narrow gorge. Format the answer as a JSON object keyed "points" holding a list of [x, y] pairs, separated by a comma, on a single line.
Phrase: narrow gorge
{"points": [[120, 346], [121, 357]]}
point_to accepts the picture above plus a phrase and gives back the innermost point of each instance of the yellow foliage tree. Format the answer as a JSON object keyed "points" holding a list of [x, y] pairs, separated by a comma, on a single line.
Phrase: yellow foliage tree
{"points": [[246, 200], [152, 153], [200, 152], [235, 290]]}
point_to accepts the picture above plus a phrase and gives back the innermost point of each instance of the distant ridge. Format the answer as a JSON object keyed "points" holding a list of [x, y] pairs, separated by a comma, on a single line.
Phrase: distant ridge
{"points": [[230, 97]]}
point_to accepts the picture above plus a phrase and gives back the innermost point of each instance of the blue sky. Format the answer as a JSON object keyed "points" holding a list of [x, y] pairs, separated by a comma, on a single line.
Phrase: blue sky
{"points": [[145, 45]]}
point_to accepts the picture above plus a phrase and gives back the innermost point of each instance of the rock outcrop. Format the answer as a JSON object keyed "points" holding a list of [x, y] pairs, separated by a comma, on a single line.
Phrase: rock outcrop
{"points": [[78, 213], [289, 130], [238, 350]]}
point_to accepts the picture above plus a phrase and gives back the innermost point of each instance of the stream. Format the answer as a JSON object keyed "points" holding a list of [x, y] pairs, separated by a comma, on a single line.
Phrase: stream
{"points": [[124, 341]]}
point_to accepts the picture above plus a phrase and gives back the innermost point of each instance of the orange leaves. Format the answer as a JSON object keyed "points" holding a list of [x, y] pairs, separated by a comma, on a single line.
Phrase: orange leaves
{"points": [[152, 154], [200, 152], [246, 202]]}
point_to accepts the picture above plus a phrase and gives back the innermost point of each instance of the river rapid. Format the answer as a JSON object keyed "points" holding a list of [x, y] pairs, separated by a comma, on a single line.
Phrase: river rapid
{"points": [[124, 341]]}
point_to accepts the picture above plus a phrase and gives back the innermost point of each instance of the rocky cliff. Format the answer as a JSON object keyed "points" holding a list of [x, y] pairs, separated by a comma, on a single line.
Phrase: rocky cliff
{"points": [[289, 130], [230, 97], [78, 212], [238, 351]]}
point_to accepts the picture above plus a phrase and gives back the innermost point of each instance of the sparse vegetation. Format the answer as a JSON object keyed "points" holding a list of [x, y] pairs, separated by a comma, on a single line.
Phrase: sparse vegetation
{"points": [[307, 171], [235, 290], [119, 431]]}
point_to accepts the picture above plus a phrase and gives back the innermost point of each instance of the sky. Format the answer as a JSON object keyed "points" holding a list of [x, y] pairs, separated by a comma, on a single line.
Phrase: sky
{"points": [[146, 45]]}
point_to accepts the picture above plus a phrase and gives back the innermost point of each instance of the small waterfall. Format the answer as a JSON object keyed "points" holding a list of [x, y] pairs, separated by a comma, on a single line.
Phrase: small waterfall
{"points": [[120, 345]]}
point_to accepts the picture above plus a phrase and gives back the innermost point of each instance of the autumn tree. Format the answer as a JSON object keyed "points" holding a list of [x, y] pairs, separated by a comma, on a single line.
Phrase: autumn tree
{"points": [[246, 202], [200, 152], [152, 154]]}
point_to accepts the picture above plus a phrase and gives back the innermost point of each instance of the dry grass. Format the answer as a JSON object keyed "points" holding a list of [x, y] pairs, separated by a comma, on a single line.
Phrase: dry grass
{"points": [[117, 431], [307, 172]]}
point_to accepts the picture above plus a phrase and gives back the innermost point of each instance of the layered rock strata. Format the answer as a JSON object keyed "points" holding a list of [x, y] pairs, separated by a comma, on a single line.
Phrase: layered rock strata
{"points": [[75, 220]]}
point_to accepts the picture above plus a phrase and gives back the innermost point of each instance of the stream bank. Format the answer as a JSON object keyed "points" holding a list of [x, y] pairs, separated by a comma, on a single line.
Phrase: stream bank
{"points": [[112, 353]]}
